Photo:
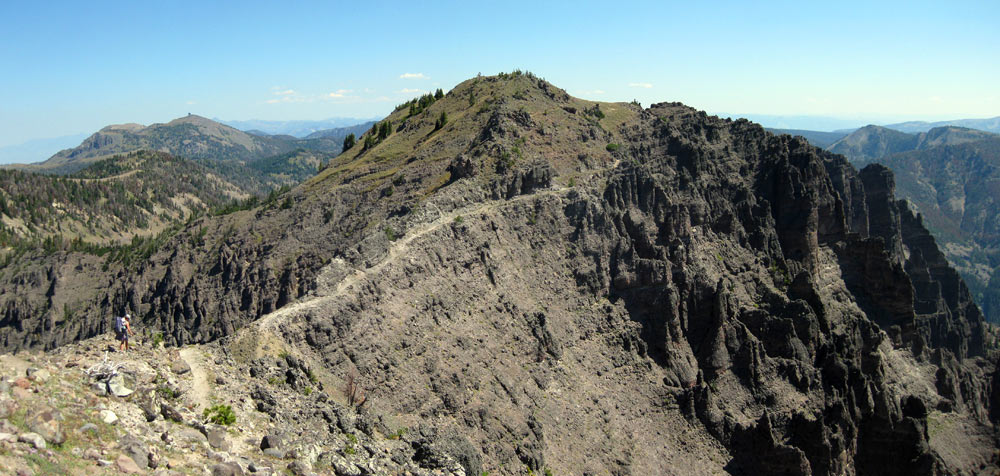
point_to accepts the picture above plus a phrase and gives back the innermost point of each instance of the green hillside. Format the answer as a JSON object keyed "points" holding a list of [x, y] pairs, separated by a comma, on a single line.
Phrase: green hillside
{"points": [[112, 200]]}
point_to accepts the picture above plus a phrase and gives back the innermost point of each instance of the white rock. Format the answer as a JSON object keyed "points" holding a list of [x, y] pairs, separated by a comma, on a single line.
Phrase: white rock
{"points": [[109, 417], [41, 375], [34, 439], [117, 386]]}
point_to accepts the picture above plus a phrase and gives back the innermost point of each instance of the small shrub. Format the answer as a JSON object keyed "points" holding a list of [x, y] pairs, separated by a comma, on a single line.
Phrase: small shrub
{"points": [[220, 415], [167, 392], [459, 219], [612, 147], [595, 111], [572, 182], [157, 339], [307, 391], [398, 433], [390, 233]]}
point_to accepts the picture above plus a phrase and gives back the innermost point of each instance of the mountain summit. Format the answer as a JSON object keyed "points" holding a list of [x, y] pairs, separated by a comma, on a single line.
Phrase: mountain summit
{"points": [[533, 282], [191, 136]]}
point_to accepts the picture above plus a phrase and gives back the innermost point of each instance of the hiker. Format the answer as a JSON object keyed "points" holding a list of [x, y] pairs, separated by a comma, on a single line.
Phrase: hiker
{"points": [[123, 329]]}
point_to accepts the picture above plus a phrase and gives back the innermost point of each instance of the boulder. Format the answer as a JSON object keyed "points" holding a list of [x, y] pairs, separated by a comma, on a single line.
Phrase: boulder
{"points": [[272, 440], [149, 408], [171, 413], [275, 453], [127, 465], [298, 468], [227, 469], [38, 375], [116, 386], [46, 424], [180, 367], [135, 449], [190, 435], [108, 416], [217, 439], [34, 439]]}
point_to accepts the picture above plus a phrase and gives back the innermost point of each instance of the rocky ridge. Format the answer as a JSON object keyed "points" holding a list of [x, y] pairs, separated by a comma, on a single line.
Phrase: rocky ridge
{"points": [[543, 277]]}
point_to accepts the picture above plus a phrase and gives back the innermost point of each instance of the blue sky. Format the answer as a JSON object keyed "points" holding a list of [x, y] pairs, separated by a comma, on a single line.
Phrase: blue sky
{"points": [[74, 67]]}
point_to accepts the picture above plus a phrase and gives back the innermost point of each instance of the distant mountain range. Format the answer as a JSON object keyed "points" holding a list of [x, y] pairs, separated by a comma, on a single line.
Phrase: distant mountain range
{"points": [[796, 125], [293, 128], [817, 138], [338, 134], [989, 125], [871, 143], [193, 137], [37, 150]]}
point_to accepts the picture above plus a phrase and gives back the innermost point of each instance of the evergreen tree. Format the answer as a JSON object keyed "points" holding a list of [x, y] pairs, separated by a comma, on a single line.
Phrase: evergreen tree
{"points": [[349, 141], [384, 130], [441, 121], [438, 94]]}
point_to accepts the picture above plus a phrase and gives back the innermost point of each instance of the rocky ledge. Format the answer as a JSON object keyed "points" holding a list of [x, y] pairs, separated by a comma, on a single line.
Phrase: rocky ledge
{"points": [[193, 410]]}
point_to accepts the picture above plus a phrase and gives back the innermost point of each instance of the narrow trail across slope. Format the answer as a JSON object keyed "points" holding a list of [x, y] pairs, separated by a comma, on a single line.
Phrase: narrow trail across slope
{"points": [[396, 249], [200, 391]]}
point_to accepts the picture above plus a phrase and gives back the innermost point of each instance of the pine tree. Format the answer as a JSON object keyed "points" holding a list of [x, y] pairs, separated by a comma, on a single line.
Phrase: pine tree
{"points": [[441, 121], [349, 142], [384, 130], [438, 94]]}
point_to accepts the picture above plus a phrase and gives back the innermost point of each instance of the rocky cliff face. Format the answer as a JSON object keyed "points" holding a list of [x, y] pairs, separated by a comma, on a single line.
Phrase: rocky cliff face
{"points": [[657, 289], [953, 188]]}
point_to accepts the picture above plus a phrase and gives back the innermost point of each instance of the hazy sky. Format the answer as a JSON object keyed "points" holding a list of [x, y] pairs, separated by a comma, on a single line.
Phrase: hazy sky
{"points": [[75, 67]]}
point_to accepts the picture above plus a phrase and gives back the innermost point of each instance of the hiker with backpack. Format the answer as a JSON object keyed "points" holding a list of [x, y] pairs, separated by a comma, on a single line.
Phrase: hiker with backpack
{"points": [[123, 329]]}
